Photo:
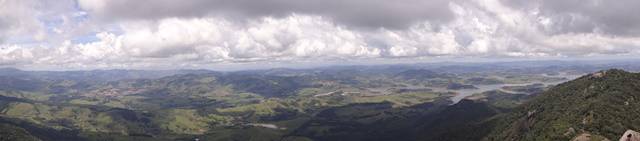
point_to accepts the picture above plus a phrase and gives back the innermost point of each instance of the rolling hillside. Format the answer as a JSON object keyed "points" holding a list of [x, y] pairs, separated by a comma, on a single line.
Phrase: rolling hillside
{"points": [[603, 104]]}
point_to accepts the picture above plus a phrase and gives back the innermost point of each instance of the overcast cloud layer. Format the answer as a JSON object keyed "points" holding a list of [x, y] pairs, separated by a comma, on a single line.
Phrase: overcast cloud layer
{"points": [[90, 34]]}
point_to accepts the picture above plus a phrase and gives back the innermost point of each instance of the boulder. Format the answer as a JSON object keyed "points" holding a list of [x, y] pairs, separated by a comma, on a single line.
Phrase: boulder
{"points": [[630, 135]]}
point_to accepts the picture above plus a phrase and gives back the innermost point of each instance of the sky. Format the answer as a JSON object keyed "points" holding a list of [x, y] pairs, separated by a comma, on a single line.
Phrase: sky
{"points": [[236, 34]]}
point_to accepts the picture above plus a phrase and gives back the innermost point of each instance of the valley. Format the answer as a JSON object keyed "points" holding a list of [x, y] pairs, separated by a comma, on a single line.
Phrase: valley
{"points": [[418, 102], [319, 70]]}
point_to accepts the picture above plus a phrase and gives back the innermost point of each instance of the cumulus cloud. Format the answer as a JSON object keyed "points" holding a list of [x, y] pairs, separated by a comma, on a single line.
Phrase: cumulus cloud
{"points": [[18, 17], [268, 38], [32, 21], [585, 16], [178, 37], [208, 40]]}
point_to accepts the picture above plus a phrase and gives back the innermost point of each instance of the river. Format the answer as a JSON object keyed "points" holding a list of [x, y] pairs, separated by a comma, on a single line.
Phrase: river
{"points": [[461, 94]]}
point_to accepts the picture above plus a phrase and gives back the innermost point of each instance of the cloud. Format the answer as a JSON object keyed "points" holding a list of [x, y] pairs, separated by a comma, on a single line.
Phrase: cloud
{"points": [[268, 38], [32, 21], [17, 18], [194, 41], [585, 16], [357, 13], [200, 39]]}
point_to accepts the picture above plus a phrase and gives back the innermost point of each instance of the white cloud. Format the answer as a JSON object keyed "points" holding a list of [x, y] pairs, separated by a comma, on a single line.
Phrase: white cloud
{"points": [[18, 18], [268, 38], [482, 29], [177, 41]]}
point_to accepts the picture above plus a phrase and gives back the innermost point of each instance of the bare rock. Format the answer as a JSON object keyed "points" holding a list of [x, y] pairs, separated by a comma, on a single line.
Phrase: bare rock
{"points": [[630, 135]]}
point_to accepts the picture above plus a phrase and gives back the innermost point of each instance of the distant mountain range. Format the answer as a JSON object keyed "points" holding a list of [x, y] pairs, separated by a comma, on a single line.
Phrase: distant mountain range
{"points": [[96, 75]]}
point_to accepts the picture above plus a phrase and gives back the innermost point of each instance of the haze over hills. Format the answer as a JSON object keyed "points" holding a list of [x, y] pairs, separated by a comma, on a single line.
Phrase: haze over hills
{"points": [[401, 102]]}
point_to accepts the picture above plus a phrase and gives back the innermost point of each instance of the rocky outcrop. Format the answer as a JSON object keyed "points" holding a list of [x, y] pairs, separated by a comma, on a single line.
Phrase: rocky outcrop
{"points": [[630, 135]]}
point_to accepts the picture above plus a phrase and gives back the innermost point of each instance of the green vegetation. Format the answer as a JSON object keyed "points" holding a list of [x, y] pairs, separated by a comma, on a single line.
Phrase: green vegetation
{"points": [[341, 104], [406, 99], [183, 121], [602, 104], [13, 133]]}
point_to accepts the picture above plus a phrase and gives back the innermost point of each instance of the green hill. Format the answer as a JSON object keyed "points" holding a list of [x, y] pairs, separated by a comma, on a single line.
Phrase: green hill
{"points": [[10, 132], [317, 106], [605, 104]]}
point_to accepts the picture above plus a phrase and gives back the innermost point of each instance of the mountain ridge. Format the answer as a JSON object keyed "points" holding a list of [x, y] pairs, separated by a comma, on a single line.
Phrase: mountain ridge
{"points": [[604, 103]]}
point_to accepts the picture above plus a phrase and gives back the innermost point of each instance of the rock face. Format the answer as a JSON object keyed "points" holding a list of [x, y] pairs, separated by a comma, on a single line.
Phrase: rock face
{"points": [[630, 135]]}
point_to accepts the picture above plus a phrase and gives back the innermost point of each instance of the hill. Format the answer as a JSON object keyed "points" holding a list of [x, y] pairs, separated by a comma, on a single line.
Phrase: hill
{"points": [[341, 104], [604, 105]]}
